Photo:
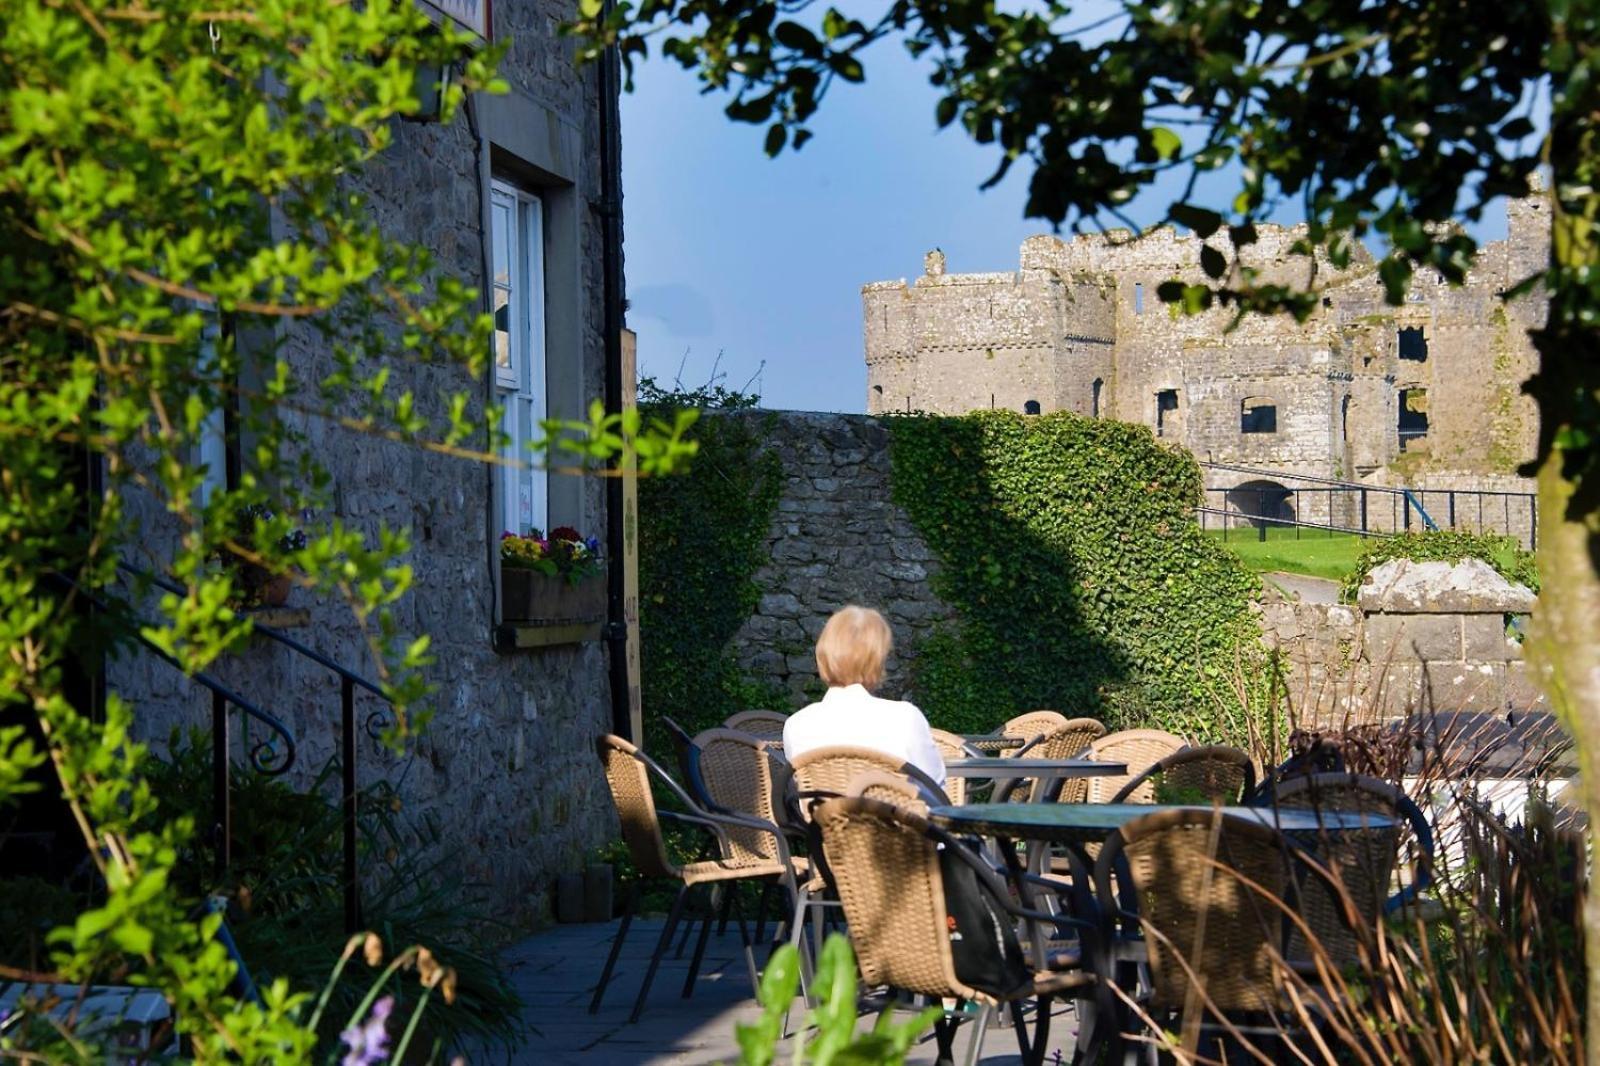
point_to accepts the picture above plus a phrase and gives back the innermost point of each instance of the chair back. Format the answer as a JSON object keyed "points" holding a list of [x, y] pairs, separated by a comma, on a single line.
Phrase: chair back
{"points": [[893, 789], [952, 746], [1214, 773], [1362, 860], [1139, 749], [1068, 740], [886, 869], [1179, 875], [827, 772], [688, 757], [1030, 726], [738, 777], [627, 771], [768, 725]]}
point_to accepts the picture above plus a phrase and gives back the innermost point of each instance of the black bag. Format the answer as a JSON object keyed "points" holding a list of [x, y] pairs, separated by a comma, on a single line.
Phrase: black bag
{"points": [[983, 940]]}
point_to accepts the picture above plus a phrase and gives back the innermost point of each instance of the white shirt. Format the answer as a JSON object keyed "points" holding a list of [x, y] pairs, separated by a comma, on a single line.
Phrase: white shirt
{"points": [[853, 717]]}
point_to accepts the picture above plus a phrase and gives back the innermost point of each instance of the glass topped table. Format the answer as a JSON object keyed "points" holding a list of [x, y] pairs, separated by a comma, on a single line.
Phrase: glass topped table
{"points": [[1022, 766], [1089, 823]]}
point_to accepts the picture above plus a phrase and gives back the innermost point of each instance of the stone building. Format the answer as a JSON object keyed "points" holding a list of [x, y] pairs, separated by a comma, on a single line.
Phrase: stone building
{"points": [[512, 198], [1362, 391]]}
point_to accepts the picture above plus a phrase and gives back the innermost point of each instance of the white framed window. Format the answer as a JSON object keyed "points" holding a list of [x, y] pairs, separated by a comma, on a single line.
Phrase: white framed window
{"points": [[516, 222], [211, 447]]}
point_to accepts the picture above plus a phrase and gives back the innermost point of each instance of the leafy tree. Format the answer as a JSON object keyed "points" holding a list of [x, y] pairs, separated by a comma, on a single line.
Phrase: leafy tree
{"points": [[1377, 120], [175, 178]]}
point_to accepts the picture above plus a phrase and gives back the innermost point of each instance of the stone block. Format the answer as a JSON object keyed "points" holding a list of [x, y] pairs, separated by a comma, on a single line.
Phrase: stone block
{"points": [[780, 605], [1402, 586], [1404, 637], [1465, 686], [1522, 692], [1483, 638]]}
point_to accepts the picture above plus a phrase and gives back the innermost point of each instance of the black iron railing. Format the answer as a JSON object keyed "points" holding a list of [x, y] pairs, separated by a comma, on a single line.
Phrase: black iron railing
{"points": [[265, 756], [1272, 499], [349, 792]]}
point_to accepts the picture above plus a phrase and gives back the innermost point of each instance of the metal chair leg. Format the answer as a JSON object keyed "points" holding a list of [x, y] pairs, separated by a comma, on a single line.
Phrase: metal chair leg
{"points": [[1032, 1048], [616, 947], [661, 949], [980, 1027], [727, 902], [699, 954], [761, 909], [683, 941]]}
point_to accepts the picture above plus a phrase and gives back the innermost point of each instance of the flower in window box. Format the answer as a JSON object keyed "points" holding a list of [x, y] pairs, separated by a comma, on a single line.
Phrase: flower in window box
{"points": [[260, 585], [550, 579]]}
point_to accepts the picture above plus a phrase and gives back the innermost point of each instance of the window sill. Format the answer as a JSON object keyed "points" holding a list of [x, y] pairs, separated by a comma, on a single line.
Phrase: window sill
{"points": [[279, 617], [522, 636]]}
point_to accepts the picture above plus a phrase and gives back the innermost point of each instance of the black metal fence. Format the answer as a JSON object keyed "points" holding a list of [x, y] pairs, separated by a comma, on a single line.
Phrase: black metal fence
{"points": [[1266, 499]]}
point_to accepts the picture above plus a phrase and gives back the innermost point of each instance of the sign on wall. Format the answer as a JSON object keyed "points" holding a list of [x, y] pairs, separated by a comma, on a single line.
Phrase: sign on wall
{"points": [[471, 14]]}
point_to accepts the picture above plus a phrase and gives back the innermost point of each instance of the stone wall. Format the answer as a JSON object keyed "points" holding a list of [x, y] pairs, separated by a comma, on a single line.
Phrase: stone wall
{"points": [[836, 538], [506, 770], [1423, 637]]}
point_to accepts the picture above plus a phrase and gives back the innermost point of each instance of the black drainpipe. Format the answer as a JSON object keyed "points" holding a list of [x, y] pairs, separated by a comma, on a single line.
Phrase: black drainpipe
{"points": [[610, 209]]}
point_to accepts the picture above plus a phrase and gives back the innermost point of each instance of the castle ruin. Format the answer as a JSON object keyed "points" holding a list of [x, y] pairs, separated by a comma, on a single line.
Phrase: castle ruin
{"points": [[1426, 394]]}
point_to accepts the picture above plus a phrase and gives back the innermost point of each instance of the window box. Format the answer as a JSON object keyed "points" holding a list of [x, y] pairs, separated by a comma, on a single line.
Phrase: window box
{"points": [[528, 597]]}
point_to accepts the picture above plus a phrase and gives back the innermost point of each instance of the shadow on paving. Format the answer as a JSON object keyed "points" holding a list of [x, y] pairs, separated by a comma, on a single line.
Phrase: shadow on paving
{"points": [[555, 972]]}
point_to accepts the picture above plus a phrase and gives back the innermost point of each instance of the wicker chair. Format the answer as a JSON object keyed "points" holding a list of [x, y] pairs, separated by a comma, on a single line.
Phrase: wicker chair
{"points": [[1031, 726], [952, 746], [1139, 749], [1361, 861], [885, 859], [1068, 740], [1212, 774], [629, 772], [768, 725], [824, 773], [688, 756], [1178, 877]]}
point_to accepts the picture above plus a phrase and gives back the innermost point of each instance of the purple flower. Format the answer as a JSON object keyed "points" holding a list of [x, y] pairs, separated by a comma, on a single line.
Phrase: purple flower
{"points": [[369, 1041]]}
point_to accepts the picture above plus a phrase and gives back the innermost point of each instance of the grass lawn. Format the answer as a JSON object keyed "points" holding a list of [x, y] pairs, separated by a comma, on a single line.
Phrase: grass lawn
{"points": [[1315, 553]]}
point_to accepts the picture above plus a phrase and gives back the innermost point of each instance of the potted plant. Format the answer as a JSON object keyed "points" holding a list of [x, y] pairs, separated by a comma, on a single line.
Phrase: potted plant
{"points": [[258, 585], [551, 580]]}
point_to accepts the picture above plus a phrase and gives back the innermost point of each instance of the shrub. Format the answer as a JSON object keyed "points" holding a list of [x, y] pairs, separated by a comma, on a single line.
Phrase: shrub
{"points": [[1445, 545], [1082, 583]]}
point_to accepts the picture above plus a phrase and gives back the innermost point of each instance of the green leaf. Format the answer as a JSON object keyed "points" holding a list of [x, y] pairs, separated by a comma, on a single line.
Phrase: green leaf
{"points": [[1166, 143]]}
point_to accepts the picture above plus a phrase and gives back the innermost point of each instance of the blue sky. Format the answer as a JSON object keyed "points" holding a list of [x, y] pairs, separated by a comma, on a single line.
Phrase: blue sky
{"points": [[754, 266]]}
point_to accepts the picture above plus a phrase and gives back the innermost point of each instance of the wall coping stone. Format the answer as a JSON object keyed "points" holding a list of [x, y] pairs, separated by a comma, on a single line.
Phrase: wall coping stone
{"points": [[1471, 586]]}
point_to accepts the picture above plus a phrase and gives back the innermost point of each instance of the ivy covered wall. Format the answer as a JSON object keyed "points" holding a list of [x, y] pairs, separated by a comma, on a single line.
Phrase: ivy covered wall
{"points": [[1079, 577]]}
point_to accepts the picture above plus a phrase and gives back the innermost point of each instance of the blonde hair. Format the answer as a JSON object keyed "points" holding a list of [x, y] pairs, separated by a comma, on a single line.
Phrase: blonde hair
{"points": [[853, 647]]}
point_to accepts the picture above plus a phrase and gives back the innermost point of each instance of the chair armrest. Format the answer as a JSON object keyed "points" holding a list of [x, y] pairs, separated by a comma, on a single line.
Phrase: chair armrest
{"points": [[745, 821], [698, 820]]}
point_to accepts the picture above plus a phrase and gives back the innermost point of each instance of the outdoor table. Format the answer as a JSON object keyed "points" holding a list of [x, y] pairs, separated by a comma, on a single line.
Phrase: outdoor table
{"points": [[1006, 769], [1091, 823]]}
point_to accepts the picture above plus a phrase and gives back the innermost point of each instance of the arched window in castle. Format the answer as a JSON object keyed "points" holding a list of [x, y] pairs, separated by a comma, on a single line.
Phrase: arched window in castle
{"points": [[1413, 345], [1258, 414], [1031, 407], [1413, 417], [1094, 397]]}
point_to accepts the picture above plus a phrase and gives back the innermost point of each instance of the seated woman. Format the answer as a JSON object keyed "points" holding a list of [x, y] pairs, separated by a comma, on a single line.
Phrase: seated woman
{"points": [[850, 655]]}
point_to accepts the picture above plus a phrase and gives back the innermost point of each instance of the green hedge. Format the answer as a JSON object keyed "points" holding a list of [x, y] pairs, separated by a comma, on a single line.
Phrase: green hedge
{"points": [[1081, 582], [702, 535], [1443, 545]]}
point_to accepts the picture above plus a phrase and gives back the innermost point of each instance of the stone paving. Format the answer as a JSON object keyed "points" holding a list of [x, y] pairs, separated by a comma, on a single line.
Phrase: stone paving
{"points": [[555, 972]]}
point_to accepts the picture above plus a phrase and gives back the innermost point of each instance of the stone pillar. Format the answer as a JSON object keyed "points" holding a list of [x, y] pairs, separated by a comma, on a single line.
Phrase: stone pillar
{"points": [[1439, 637]]}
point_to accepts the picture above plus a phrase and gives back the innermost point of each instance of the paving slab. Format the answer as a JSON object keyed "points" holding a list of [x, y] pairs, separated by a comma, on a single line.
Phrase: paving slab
{"points": [[555, 973]]}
